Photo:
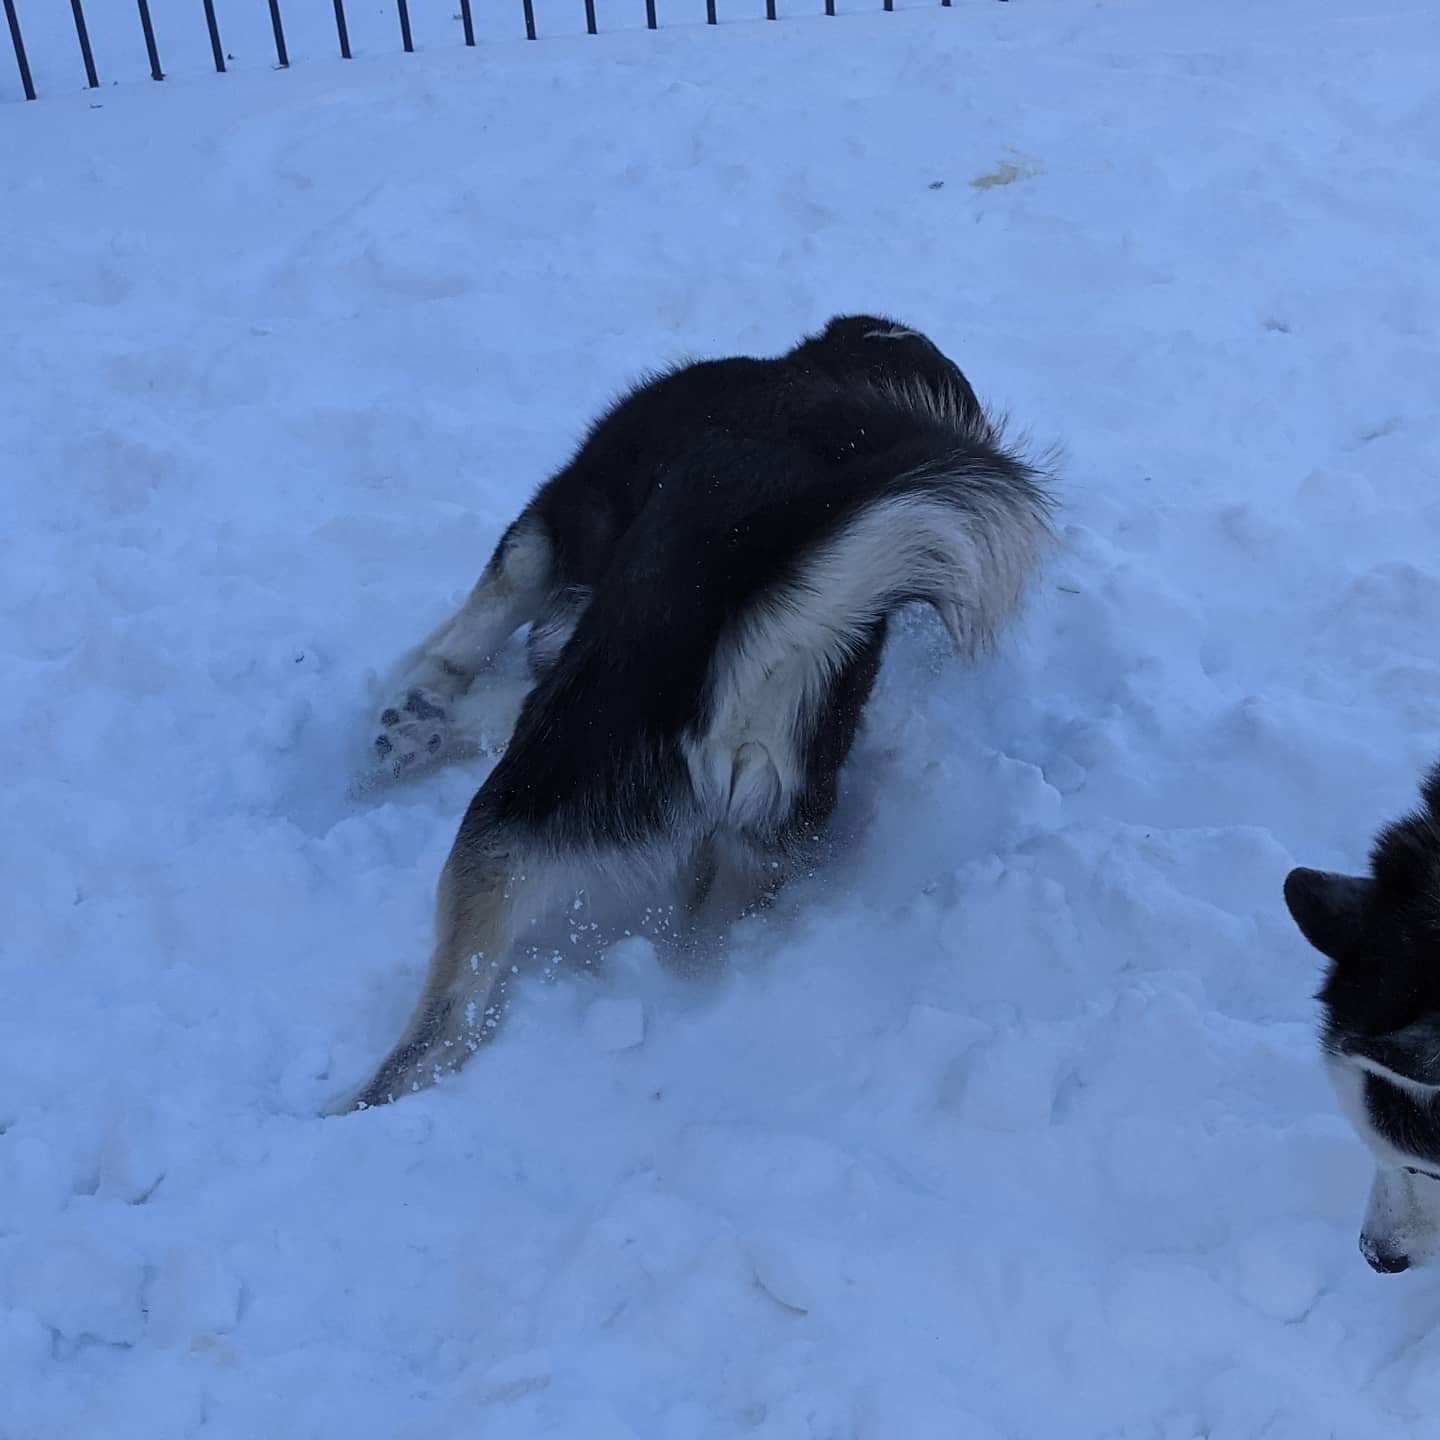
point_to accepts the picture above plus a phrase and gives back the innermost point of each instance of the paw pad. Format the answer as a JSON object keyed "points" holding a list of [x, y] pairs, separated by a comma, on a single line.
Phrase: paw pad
{"points": [[418, 704], [412, 733]]}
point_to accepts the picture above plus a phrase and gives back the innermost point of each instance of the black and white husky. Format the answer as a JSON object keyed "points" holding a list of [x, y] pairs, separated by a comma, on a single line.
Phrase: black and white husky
{"points": [[1381, 935], [708, 583]]}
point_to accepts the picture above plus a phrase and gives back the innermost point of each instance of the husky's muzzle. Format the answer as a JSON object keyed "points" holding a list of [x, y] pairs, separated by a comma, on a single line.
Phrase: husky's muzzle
{"points": [[1402, 1221]]}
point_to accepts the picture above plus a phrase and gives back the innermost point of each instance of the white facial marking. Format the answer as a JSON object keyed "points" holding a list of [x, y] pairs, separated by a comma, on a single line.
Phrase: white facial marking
{"points": [[1402, 1218]]}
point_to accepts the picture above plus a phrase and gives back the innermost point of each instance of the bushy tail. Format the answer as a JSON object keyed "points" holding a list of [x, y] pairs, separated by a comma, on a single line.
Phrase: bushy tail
{"points": [[944, 516], [949, 517]]}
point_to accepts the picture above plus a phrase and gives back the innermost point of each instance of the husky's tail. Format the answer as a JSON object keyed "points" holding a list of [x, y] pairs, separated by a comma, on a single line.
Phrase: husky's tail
{"points": [[948, 514], [933, 509], [961, 528]]}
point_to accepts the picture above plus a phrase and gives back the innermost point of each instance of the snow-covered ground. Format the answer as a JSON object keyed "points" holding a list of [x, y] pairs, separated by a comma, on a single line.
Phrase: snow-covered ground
{"points": [[1008, 1124]]}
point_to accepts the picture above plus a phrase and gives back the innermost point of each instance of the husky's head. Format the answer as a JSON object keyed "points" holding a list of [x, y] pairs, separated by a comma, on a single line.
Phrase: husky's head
{"points": [[1381, 1037]]}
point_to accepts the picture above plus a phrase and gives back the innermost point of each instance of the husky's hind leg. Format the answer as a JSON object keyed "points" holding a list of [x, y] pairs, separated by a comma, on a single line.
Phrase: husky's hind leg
{"points": [[415, 725], [476, 915]]}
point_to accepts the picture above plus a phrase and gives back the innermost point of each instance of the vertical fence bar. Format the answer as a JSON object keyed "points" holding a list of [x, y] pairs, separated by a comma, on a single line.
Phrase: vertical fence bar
{"points": [[829, 7], [770, 9], [343, 30], [711, 18], [529, 19], [282, 55], [590, 27], [466, 17], [156, 73], [651, 22], [403, 7], [82, 34], [21, 59], [217, 50]]}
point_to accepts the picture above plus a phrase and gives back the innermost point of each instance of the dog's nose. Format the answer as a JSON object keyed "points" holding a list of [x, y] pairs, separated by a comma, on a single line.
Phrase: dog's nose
{"points": [[1382, 1261]]}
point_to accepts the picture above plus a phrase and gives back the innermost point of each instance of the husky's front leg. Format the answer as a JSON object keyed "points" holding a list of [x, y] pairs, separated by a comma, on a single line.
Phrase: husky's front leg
{"points": [[465, 988]]}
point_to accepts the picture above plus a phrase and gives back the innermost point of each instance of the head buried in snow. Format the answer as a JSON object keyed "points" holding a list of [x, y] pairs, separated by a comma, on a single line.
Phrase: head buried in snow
{"points": [[1380, 934]]}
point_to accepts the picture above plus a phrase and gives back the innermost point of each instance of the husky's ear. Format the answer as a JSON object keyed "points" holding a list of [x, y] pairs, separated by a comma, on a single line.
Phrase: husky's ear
{"points": [[1328, 908], [1411, 1054]]}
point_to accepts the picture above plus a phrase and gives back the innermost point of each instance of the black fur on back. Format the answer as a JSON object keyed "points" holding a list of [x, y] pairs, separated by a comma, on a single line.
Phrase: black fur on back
{"points": [[688, 503]]}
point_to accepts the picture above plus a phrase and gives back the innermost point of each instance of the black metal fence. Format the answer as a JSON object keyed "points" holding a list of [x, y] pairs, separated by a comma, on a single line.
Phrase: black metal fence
{"points": [[342, 31]]}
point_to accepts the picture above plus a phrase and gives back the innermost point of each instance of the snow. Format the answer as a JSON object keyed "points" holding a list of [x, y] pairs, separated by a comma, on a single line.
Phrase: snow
{"points": [[1007, 1123]]}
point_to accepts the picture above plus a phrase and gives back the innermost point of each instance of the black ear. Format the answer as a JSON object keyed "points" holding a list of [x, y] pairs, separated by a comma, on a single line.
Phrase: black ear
{"points": [[1412, 1053], [1328, 908]]}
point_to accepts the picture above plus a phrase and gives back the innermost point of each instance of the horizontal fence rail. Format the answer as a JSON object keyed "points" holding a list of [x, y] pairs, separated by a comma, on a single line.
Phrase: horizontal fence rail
{"points": [[277, 27]]}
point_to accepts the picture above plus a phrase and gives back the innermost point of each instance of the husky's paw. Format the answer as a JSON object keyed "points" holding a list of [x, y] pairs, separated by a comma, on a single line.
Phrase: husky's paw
{"points": [[413, 735]]}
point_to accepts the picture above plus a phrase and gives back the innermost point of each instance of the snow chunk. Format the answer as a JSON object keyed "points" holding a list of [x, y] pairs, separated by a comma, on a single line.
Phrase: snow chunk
{"points": [[613, 1025], [1282, 1269], [1011, 1081], [80, 1291], [193, 1295]]}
